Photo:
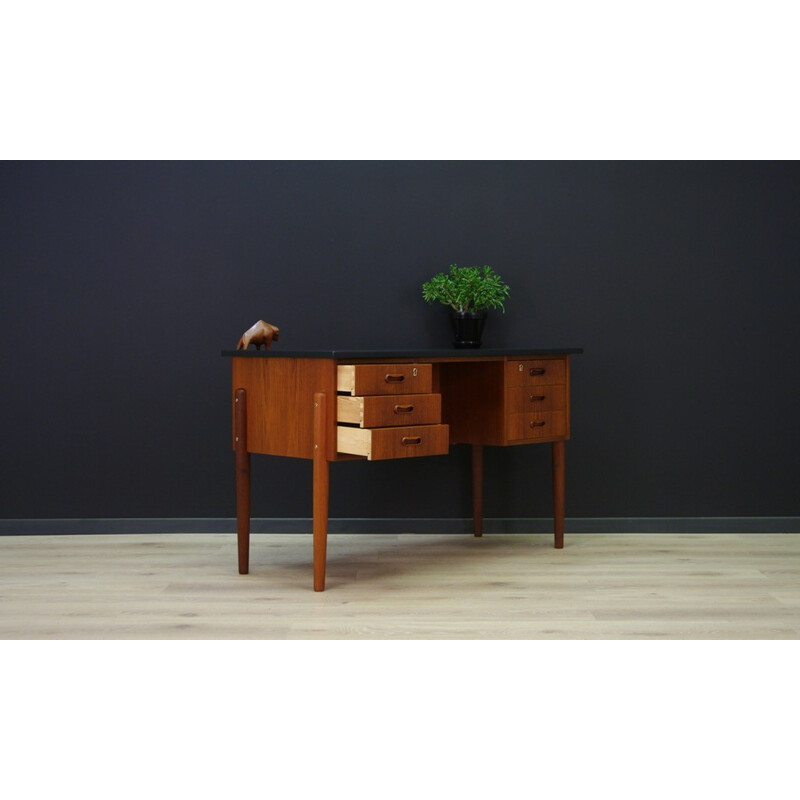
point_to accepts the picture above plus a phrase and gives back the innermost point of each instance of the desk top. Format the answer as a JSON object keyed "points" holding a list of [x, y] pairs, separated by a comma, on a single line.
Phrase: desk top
{"points": [[449, 352]]}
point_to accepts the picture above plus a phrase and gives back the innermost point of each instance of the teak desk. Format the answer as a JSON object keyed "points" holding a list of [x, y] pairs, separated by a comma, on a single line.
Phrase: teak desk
{"points": [[334, 405]]}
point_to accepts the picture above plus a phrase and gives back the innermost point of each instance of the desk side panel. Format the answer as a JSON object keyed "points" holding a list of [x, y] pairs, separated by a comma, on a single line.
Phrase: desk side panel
{"points": [[280, 403]]}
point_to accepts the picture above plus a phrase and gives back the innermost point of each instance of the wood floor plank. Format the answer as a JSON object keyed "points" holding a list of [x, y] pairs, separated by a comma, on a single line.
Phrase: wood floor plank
{"points": [[408, 586]]}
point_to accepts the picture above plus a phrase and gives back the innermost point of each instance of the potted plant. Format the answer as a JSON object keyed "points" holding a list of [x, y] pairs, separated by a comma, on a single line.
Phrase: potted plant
{"points": [[469, 291]]}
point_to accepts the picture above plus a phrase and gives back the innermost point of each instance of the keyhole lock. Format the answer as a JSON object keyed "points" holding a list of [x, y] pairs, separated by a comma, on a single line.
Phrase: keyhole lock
{"points": [[414, 372]]}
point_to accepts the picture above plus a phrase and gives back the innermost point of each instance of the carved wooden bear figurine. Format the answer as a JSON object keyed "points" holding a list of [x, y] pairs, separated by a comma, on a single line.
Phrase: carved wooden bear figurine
{"points": [[261, 333]]}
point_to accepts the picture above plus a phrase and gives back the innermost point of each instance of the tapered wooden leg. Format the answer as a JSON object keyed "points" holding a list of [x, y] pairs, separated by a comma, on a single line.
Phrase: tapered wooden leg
{"points": [[321, 490], [558, 493], [242, 481], [477, 488]]}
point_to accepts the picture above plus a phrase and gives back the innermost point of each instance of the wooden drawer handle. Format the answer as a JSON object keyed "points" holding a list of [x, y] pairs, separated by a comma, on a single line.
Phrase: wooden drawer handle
{"points": [[403, 409], [410, 440], [394, 378], [538, 370], [538, 423], [536, 398]]}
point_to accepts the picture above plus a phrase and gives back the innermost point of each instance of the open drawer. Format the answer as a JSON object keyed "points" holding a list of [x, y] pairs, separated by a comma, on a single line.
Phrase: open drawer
{"points": [[358, 379], [381, 411], [403, 442]]}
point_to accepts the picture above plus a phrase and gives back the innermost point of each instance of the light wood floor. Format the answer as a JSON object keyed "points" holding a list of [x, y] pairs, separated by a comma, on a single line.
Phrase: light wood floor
{"points": [[182, 586]]}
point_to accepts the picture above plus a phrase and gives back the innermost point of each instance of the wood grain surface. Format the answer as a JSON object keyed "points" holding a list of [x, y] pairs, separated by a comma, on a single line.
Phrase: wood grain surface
{"points": [[406, 441], [536, 372], [280, 407], [376, 411], [509, 586], [389, 378]]}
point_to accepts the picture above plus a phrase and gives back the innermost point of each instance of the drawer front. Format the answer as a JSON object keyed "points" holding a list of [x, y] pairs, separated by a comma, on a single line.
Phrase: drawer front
{"points": [[543, 425], [405, 442], [379, 411], [527, 399], [358, 379], [539, 372]]}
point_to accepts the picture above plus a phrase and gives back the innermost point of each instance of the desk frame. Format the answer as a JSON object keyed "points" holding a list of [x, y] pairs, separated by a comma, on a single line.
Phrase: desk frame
{"points": [[285, 404]]}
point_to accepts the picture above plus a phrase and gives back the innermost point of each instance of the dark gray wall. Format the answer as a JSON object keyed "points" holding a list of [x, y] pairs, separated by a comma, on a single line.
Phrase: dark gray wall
{"points": [[121, 283]]}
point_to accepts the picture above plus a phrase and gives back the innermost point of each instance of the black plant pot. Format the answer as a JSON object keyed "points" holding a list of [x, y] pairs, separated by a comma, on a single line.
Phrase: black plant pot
{"points": [[468, 328]]}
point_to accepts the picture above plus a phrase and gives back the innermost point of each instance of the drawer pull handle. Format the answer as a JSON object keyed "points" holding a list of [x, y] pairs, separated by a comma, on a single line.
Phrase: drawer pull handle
{"points": [[537, 398], [538, 423], [410, 440], [394, 378], [403, 409], [538, 371]]}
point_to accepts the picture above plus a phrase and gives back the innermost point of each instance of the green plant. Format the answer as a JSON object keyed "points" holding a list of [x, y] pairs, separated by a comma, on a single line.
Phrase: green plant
{"points": [[467, 289]]}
